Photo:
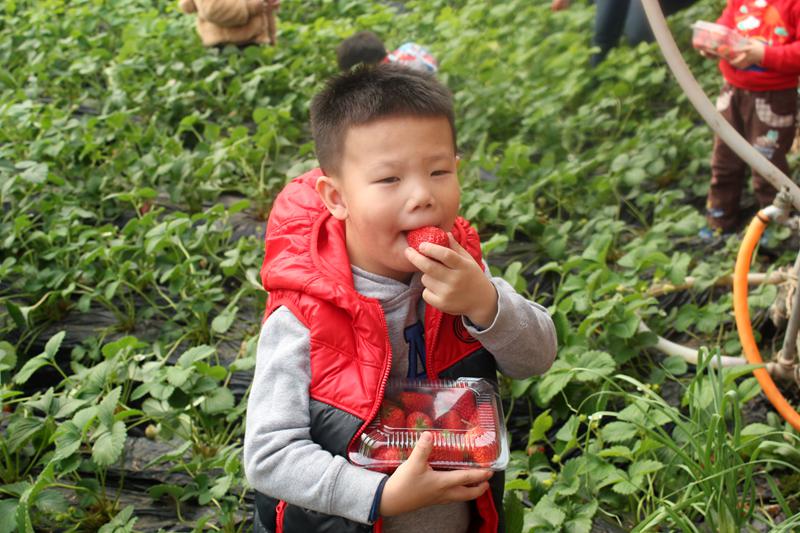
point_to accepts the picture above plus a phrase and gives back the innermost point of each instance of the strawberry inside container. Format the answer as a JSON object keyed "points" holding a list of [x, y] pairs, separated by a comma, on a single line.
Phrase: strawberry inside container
{"points": [[463, 415], [716, 39]]}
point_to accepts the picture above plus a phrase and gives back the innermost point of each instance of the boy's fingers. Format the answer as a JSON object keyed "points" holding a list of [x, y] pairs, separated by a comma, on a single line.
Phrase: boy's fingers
{"points": [[462, 478], [457, 248], [416, 258], [454, 244], [463, 494], [422, 449], [442, 254], [746, 46], [738, 60], [445, 255], [432, 298], [423, 263], [432, 284]]}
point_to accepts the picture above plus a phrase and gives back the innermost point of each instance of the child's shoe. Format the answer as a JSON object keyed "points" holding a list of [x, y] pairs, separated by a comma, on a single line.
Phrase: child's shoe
{"points": [[707, 234], [713, 237], [777, 239], [765, 239]]}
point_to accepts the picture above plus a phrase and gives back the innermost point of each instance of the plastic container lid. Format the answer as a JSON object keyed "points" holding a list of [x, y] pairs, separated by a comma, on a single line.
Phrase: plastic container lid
{"points": [[715, 38], [464, 416], [711, 26]]}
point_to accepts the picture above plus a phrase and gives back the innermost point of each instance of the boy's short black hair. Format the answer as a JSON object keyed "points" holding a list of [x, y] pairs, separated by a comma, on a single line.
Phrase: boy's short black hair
{"points": [[362, 47], [368, 93]]}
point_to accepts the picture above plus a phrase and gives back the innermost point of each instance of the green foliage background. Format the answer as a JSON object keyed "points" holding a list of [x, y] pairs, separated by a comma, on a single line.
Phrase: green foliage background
{"points": [[129, 156]]}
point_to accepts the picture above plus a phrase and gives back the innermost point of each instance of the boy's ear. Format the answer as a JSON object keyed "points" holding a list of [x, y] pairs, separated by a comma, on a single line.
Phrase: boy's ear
{"points": [[329, 189]]}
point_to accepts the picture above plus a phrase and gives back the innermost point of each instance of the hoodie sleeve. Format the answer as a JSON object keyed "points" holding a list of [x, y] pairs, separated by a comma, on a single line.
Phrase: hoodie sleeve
{"points": [[228, 13], [280, 459], [785, 58], [522, 336]]}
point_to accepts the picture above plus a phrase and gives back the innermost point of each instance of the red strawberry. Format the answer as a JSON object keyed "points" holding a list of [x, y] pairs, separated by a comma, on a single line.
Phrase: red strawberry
{"points": [[427, 234], [449, 454], [416, 401], [447, 449], [389, 457], [483, 417], [389, 453], [465, 405], [449, 420], [477, 436], [485, 455], [392, 416], [483, 445], [417, 420]]}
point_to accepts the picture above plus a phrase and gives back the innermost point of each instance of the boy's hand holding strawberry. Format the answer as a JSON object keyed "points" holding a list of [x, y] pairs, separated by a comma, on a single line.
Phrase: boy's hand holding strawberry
{"points": [[415, 484], [454, 282]]}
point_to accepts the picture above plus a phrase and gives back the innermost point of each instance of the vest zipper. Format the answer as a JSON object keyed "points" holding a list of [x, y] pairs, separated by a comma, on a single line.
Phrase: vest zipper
{"points": [[387, 367], [436, 322], [279, 511]]}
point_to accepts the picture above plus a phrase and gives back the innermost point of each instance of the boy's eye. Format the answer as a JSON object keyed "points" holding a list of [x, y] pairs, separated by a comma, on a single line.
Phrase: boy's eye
{"points": [[390, 179], [440, 172]]}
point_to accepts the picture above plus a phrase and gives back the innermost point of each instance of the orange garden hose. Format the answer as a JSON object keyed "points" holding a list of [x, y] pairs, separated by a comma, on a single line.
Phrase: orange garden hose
{"points": [[745, 328]]}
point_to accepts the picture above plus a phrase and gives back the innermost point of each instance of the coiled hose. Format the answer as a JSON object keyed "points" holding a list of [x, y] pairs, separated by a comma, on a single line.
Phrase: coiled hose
{"points": [[745, 328]]}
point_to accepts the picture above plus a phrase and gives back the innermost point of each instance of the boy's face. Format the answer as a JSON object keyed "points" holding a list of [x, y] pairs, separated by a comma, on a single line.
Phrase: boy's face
{"points": [[396, 174]]}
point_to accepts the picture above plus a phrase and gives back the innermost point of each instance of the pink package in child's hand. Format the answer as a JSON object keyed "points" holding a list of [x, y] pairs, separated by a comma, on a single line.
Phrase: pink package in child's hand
{"points": [[463, 415], [716, 39]]}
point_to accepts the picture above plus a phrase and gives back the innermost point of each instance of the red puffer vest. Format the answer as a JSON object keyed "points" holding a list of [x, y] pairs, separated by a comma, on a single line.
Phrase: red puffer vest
{"points": [[306, 269]]}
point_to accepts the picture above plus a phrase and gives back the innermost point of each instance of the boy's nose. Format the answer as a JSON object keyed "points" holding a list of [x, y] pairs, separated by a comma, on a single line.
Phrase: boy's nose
{"points": [[420, 196]]}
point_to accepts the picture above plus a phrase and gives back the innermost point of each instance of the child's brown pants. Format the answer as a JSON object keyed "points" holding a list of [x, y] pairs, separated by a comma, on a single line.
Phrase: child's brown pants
{"points": [[767, 120]]}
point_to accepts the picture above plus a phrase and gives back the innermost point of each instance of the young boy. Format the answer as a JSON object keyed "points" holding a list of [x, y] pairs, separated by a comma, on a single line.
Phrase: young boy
{"points": [[352, 306], [758, 98], [367, 48]]}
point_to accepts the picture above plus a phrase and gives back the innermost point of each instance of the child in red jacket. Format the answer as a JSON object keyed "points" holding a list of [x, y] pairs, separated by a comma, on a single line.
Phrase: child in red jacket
{"points": [[758, 98]]}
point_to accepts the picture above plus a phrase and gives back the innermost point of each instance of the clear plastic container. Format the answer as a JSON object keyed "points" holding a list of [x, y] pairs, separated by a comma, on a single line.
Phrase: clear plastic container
{"points": [[464, 416], [716, 39]]}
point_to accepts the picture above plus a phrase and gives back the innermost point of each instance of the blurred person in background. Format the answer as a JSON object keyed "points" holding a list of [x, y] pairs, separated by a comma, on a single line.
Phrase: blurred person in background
{"points": [[367, 48], [239, 22], [617, 17]]}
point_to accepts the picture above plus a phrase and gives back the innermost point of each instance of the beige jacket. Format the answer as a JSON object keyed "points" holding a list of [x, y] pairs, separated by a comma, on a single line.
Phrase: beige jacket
{"points": [[229, 21]]}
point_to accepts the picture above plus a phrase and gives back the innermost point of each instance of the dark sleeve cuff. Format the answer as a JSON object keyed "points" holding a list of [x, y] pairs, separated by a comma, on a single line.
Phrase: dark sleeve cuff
{"points": [[374, 513], [471, 324]]}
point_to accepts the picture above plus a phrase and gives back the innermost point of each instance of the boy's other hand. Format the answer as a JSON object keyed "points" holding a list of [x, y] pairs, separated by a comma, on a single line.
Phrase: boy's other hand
{"points": [[748, 54], [454, 282], [415, 484], [705, 53]]}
